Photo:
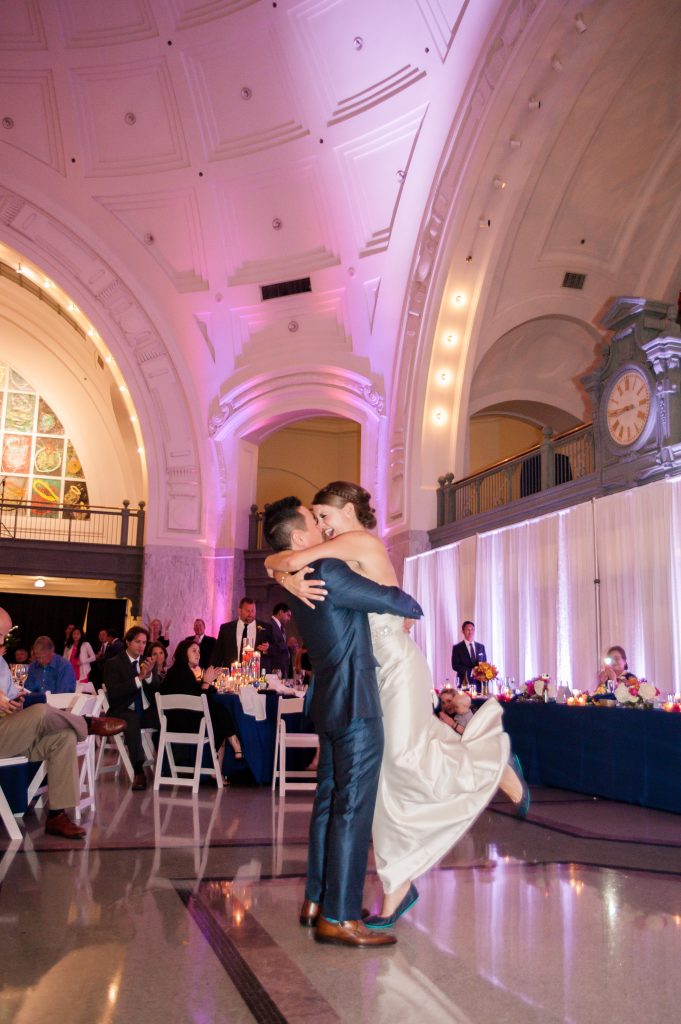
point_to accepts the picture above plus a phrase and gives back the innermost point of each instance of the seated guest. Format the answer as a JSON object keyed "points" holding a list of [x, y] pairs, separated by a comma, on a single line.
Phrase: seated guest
{"points": [[206, 643], [131, 694], [20, 656], [44, 733], [182, 678], [455, 709], [159, 656], [614, 670], [81, 656], [277, 656], [49, 671]]}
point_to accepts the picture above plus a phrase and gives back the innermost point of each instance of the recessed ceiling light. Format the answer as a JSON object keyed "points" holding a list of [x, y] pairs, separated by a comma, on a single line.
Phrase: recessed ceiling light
{"points": [[39, 583]]}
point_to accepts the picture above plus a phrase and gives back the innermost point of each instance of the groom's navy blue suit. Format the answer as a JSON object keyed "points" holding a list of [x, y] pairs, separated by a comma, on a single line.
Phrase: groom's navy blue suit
{"points": [[346, 711]]}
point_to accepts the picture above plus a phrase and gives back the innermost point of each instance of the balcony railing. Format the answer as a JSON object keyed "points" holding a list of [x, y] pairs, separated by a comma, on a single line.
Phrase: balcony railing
{"points": [[36, 521], [555, 462]]}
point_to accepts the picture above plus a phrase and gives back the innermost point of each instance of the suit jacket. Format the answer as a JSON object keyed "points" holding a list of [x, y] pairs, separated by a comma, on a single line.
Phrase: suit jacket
{"points": [[206, 647], [278, 655], [461, 658], [225, 650], [119, 679], [336, 634]]}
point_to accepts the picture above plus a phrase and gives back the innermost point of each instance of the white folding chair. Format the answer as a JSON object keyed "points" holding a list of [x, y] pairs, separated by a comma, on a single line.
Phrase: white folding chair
{"points": [[184, 702], [6, 813], [78, 704], [119, 743], [289, 741]]}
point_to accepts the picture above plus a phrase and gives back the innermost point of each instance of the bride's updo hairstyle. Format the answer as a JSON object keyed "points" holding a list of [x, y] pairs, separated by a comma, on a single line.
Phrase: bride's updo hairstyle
{"points": [[340, 492]]}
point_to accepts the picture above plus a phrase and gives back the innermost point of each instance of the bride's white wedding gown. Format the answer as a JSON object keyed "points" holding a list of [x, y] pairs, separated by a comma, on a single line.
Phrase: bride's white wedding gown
{"points": [[434, 783]]}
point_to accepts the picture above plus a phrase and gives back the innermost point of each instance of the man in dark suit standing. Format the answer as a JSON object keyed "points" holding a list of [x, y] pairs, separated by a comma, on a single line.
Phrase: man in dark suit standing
{"points": [[206, 643], [278, 655], [235, 635], [467, 654], [131, 694], [109, 647], [346, 712]]}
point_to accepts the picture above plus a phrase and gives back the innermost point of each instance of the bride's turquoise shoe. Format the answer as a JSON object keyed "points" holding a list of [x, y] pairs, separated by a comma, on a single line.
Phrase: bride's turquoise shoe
{"points": [[387, 922], [523, 805]]}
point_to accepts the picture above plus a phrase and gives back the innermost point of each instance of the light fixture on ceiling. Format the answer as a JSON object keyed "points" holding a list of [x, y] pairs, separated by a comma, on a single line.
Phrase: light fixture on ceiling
{"points": [[246, 92], [451, 338], [401, 175], [8, 123], [133, 419], [444, 377], [459, 299], [149, 238], [534, 103], [439, 417], [556, 63], [580, 24], [358, 42], [108, 359], [90, 332], [514, 143], [39, 583], [499, 183], [485, 222], [277, 223], [122, 388], [130, 118], [140, 451], [293, 326]]}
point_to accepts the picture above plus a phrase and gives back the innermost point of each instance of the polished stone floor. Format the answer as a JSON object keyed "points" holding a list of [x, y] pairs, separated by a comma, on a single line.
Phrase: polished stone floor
{"points": [[183, 909]]}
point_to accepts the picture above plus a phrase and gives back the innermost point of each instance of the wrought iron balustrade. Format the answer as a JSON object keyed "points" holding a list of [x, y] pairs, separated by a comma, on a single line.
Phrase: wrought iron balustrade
{"points": [[72, 524]]}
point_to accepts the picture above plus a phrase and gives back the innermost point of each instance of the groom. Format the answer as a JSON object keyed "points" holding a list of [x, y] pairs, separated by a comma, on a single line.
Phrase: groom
{"points": [[346, 712]]}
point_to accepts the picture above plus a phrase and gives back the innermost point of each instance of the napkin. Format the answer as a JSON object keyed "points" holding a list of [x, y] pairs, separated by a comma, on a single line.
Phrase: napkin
{"points": [[253, 703]]}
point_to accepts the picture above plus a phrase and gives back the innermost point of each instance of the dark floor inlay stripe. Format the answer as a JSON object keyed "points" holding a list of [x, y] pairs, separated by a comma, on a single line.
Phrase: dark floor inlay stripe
{"points": [[279, 992]]}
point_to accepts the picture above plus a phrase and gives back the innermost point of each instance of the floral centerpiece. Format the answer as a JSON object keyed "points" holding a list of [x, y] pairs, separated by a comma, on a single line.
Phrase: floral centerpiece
{"points": [[534, 689], [483, 672], [635, 693]]}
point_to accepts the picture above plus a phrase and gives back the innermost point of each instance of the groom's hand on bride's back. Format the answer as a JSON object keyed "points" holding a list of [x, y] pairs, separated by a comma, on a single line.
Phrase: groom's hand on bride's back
{"points": [[307, 591]]}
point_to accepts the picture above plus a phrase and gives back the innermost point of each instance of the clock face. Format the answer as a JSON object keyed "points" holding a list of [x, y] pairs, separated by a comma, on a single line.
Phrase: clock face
{"points": [[628, 407]]}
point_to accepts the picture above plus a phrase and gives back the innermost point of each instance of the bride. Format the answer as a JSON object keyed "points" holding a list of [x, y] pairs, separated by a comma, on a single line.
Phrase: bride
{"points": [[434, 783]]}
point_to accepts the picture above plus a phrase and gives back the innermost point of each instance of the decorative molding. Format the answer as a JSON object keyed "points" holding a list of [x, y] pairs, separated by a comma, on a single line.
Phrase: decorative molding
{"points": [[34, 108], [377, 93], [189, 15], [371, 290], [443, 18], [427, 251], [168, 225], [146, 88], [323, 324], [110, 296], [314, 386], [270, 271], [125, 21], [22, 26]]}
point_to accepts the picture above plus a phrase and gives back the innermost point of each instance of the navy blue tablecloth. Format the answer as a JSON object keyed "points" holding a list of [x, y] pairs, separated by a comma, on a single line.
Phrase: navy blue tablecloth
{"points": [[619, 753], [257, 739], [15, 781]]}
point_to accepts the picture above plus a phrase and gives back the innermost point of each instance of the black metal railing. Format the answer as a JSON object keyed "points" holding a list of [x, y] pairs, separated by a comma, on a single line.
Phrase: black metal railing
{"points": [[556, 461], [78, 524]]}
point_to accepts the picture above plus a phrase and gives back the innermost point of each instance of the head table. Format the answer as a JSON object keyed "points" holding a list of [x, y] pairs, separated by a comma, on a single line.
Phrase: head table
{"points": [[619, 753]]}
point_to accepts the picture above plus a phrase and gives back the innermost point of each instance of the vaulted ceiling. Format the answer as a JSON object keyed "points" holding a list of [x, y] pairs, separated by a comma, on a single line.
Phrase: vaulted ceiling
{"points": [[199, 149]]}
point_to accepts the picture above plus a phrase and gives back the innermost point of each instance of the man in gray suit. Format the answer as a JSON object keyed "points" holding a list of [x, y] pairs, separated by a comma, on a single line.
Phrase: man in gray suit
{"points": [[346, 712]]}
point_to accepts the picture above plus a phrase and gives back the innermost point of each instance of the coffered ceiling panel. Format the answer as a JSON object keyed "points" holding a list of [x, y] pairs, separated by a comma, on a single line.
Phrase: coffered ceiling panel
{"points": [[189, 13], [442, 18], [129, 119], [169, 227], [243, 97], [30, 118], [376, 166], [300, 323], [86, 24], [21, 27], [361, 53], [277, 225]]}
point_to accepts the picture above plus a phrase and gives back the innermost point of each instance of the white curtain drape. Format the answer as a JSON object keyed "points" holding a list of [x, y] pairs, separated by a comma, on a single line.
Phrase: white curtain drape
{"points": [[530, 590]]}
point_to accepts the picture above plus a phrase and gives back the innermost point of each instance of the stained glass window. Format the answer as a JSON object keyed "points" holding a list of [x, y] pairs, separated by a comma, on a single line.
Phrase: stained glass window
{"points": [[37, 459]]}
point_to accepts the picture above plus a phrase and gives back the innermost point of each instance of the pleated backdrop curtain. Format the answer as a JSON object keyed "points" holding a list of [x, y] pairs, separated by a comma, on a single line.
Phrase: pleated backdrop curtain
{"points": [[530, 590]]}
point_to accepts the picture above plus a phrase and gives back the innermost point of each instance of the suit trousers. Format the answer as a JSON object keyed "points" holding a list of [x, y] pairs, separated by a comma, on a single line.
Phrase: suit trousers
{"points": [[133, 733], [343, 811], [44, 733]]}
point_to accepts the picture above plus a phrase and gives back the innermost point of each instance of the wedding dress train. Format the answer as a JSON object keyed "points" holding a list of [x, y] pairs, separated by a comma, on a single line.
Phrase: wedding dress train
{"points": [[434, 783]]}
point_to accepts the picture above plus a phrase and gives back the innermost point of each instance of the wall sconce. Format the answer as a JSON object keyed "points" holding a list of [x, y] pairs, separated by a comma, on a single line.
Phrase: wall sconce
{"points": [[459, 299], [444, 377], [439, 417], [451, 338]]}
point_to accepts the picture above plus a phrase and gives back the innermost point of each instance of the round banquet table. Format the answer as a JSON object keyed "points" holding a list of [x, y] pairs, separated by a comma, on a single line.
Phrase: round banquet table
{"points": [[257, 740]]}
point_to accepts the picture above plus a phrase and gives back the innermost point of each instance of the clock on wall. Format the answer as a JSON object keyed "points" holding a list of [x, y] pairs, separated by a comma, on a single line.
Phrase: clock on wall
{"points": [[628, 406]]}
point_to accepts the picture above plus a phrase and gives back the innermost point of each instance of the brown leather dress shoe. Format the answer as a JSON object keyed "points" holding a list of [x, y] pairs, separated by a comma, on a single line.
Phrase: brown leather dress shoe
{"points": [[61, 825], [106, 726], [309, 914], [139, 782], [351, 933]]}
